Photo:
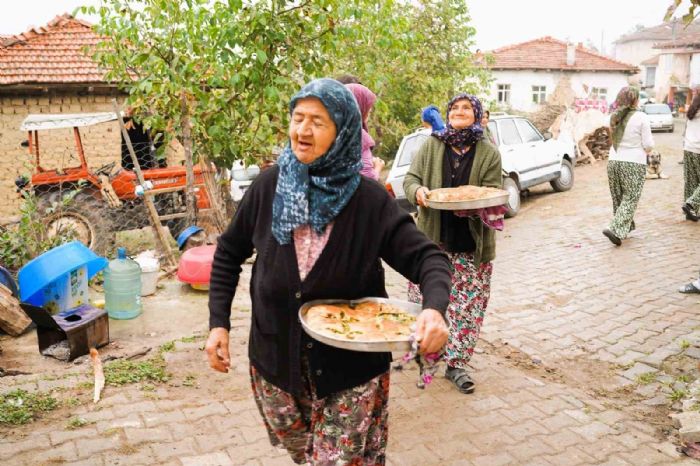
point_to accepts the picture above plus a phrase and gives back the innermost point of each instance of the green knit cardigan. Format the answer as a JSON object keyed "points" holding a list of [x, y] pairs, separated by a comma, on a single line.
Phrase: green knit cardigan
{"points": [[426, 170]]}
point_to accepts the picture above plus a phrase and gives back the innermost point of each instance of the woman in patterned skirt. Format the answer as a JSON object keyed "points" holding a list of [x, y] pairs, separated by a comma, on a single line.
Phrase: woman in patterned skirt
{"points": [[455, 156], [691, 162], [627, 165], [325, 405]]}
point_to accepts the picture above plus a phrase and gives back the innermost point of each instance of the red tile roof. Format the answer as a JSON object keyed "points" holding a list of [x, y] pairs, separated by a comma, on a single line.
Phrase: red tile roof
{"points": [[52, 54], [547, 53]]}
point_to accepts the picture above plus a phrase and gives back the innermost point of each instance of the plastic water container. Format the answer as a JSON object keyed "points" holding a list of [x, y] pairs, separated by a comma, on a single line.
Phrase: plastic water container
{"points": [[122, 287], [149, 272]]}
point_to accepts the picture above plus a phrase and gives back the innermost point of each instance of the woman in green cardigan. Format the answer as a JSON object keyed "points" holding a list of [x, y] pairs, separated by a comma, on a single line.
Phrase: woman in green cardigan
{"points": [[456, 156]]}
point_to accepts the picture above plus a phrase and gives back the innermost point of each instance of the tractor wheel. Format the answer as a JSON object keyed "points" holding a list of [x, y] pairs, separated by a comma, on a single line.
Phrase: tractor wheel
{"points": [[84, 218]]}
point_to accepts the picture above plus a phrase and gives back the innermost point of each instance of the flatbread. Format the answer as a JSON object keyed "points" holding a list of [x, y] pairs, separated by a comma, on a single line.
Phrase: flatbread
{"points": [[464, 193], [364, 322]]}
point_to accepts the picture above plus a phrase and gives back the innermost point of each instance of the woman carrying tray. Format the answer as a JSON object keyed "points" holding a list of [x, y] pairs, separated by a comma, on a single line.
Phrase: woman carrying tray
{"points": [[456, 156], [320, 230]]}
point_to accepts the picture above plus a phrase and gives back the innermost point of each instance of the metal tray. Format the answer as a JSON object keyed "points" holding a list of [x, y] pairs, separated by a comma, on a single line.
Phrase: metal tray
{"points": [[467, 205], [365, 346]]}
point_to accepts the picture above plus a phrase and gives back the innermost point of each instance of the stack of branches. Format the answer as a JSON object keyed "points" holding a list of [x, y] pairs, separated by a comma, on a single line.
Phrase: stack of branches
{"points": [[595, 146], [545, 117]]}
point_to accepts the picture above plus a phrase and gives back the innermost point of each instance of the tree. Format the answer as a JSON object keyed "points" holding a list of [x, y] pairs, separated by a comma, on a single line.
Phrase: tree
{"points": [[689, 16]]}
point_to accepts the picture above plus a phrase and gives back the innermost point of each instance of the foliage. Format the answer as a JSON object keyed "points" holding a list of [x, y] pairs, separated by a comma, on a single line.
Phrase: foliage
{"points": [[20, 407], [29, 238], [646, 378], [689, 16], [237, 63], [124, 371], [77, 423]]}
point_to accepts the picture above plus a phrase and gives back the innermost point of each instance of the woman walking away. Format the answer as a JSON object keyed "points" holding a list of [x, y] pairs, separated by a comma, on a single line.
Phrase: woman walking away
{"points": [[324, 405], [371, 166], [691, 161], [431, 119], [631, 142], [457, 156]]}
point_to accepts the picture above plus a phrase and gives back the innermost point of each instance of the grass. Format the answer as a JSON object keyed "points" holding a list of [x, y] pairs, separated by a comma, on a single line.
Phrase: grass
{"points": [[646, 378], [20, 407], [77, 423], [678, 395], [167, 347], [685, 344], [122, 372], [190, 381], [192, 339]]}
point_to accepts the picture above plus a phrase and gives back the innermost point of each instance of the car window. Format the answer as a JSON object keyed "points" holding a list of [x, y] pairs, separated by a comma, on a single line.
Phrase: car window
{"points": [[657, 109], [509, 134], [494, 132], [410, 147], [527, 131]]}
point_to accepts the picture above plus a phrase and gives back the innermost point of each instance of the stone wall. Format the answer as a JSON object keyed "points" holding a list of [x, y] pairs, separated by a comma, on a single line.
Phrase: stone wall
{"points": [[101, 143]]}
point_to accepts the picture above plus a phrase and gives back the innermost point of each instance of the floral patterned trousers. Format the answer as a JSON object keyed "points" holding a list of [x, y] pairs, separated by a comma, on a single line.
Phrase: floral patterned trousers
{"points": [[345, 428], [626, 180], [691, 172], [471, 289]]}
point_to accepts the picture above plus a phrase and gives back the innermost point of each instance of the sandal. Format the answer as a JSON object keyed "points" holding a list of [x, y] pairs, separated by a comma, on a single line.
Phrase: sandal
{"points": [[461, 379], [689, 288], [690, 213]]}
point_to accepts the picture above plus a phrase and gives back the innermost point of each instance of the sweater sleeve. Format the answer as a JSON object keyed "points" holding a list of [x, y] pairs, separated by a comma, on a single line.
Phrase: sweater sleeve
{"points": [[414, 256], [492, 172], [647, 138], [234, 246], [414, 177]]}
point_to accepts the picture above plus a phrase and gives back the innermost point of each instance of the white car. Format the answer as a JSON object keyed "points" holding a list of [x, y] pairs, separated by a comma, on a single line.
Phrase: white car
{"points": [[527, 159], [241, 179], [660, 117]]}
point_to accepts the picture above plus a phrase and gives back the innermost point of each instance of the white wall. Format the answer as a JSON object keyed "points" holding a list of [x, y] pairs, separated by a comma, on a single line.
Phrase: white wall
{"points": [[635, 52], [521, 83], [674, 70], [695, 70]]}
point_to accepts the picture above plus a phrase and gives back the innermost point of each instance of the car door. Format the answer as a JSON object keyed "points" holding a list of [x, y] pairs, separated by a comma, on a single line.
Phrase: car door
{"points": [[544, 155], [402, 162], [515, 155]]}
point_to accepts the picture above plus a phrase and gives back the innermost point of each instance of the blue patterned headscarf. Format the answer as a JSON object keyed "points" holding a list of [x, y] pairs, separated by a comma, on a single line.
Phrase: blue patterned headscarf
{"points": [[465, 137], [316, 193], [431, 115]]}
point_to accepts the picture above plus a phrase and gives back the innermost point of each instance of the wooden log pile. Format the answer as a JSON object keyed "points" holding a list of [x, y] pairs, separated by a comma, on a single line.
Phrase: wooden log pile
{"points": [[595, 146]]}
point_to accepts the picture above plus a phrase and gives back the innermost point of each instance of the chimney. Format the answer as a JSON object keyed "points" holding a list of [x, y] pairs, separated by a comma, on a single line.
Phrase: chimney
{"points": [[570, 54]]}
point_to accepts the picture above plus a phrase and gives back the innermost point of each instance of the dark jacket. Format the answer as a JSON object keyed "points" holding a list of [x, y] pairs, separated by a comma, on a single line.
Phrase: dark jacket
{"points": [[371, 227]]}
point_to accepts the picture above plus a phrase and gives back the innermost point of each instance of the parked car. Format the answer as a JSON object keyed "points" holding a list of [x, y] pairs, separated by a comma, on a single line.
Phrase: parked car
{"points": [[660, 117], [528, 158]]}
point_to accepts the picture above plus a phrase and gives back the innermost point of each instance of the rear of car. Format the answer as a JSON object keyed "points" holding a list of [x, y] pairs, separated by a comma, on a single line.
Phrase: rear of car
{"points": [[660, 117]]}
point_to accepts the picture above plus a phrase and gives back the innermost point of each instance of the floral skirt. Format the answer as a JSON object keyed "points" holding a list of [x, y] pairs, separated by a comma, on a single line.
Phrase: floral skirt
{"points": [[345, 428], [471, 289]]}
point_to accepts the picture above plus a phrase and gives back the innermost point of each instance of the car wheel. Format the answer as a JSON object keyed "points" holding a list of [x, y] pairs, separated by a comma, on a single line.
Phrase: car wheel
{"points": [[510, 185], [566, 178]]}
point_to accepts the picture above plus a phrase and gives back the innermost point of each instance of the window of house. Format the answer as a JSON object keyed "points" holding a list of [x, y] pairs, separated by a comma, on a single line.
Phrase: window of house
{"points": [[504, 93], [600, 93], [539, 94], [651, 76]]}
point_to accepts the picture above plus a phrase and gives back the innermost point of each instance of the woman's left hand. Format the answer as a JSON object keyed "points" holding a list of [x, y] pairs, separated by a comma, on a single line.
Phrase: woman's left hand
{"points": [[431, 331]]}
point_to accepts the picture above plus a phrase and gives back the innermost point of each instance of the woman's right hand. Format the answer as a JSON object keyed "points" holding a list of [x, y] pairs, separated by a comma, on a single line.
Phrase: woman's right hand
{"points": [[217, 349], [422, 196]]}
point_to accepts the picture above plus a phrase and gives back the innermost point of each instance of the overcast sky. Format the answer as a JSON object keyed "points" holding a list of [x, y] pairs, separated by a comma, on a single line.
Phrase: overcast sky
{"points": [[497, 22]]}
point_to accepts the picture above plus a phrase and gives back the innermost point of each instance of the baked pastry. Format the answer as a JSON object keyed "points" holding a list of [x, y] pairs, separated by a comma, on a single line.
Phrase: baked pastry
{"points": [[364, 322], [464, 193]]}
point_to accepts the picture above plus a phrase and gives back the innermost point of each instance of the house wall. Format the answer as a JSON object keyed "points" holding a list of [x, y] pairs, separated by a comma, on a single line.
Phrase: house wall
{"points": [[581, 82], [101, 143], [635, 52], [673, 70]]}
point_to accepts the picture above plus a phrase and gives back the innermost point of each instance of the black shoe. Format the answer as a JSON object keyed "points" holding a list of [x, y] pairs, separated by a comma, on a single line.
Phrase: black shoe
{"points": [[690, 213], [611, 236]]}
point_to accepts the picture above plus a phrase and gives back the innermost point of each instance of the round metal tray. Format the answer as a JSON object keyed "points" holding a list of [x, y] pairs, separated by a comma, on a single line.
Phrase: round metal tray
{"points": [[467, 205], [365, 346]]}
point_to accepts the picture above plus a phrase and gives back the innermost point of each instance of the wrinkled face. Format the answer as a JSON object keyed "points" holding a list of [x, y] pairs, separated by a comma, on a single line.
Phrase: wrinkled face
{"points": [[311, 130], [461, 114]]}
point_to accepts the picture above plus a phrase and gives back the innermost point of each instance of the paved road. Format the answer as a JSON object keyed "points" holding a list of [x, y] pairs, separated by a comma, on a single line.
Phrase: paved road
{"points": [[572, 324]]}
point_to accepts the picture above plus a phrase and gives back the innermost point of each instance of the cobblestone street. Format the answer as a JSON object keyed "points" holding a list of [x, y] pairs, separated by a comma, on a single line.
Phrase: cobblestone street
{"points": [[574, 328]]}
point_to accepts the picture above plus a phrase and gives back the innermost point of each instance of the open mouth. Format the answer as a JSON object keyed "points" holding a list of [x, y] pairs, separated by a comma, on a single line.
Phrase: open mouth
{"points": [[304, 145]]}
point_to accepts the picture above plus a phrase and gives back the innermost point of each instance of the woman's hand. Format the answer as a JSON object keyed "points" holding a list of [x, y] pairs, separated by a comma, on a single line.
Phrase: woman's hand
{"points": [[431, 331], [217, 349], [378, 165], [422, 196]]}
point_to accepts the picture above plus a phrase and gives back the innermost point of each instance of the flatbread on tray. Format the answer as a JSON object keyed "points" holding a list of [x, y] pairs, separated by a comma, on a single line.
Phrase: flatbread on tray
{"points": [[464, 193], [364, 322]]}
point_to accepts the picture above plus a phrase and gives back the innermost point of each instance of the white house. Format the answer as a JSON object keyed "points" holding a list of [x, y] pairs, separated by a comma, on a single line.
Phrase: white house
{"points": [[526, 74]]}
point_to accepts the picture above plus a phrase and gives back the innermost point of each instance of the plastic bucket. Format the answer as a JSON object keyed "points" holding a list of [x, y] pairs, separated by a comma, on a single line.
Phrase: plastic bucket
{"points": [[149, 275]]}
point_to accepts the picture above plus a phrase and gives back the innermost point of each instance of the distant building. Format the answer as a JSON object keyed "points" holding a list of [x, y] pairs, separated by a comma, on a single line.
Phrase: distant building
{"points": [[526, 74]]}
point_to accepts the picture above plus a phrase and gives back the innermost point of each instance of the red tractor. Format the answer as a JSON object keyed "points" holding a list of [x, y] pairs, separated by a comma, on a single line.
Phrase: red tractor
{"points": [[95, 204]]}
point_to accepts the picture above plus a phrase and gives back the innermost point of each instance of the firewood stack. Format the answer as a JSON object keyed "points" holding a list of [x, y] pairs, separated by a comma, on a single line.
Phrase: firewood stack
{"points": [[598, 145]]}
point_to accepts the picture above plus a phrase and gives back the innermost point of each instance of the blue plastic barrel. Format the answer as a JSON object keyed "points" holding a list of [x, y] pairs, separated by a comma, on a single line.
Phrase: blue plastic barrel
{"points": [[122, 287]]}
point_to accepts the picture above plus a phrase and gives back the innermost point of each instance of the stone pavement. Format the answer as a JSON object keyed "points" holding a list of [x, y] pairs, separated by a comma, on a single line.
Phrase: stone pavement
{"points": [[573, 326]]}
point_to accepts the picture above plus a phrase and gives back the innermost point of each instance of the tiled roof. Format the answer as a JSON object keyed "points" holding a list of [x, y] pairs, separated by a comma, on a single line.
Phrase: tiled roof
{"points": [[688, 39], [52, 54], [547, 53], [662, 32]]}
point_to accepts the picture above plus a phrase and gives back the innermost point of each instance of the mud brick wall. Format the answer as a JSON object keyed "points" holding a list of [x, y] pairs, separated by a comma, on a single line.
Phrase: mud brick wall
{"points": [[102, 143]]}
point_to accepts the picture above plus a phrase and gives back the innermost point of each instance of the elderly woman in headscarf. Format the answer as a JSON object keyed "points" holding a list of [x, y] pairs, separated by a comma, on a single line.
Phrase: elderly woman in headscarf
{"points": [[456, 156], [371, 166], [631, 142], [691, 161], [323, 404]]}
